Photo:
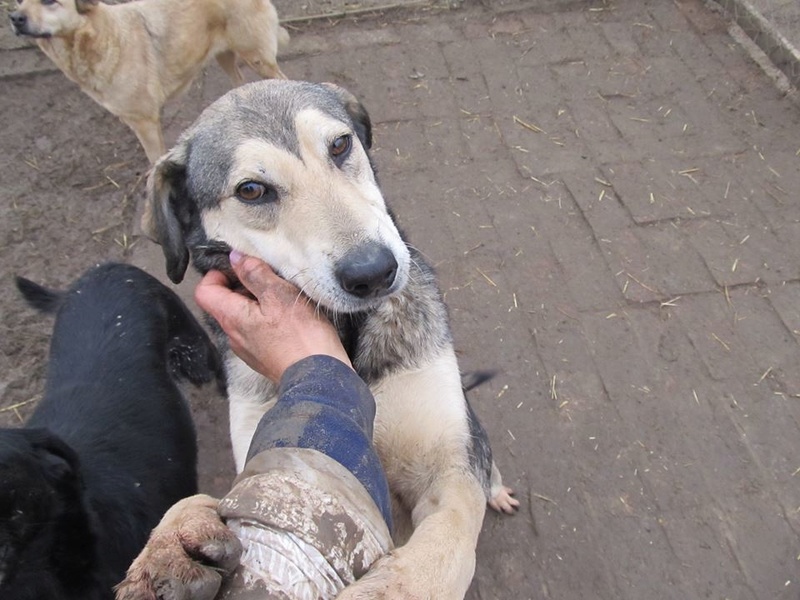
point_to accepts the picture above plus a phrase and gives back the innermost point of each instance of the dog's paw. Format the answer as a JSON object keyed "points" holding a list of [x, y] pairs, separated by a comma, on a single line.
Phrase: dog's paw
{"points": [[185, 557], [503, 500]]}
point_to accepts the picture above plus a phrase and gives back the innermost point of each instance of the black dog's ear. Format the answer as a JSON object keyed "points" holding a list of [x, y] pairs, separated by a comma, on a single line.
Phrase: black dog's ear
{"points": [[58, 459], [166, 185], [357, 112], [84, 6]]}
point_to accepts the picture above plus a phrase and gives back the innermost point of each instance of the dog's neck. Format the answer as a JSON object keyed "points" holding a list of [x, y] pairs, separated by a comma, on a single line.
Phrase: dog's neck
{"points": [[87, 55], [398, 332]]}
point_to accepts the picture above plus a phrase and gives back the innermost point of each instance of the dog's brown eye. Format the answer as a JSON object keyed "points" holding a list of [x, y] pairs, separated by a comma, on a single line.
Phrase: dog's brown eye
{"points": [[252, 191], [340, 147]]}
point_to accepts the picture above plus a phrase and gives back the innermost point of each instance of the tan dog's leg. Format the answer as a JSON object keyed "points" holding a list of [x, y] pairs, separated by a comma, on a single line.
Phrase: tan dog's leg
{"points": [[227, 60], [250, 395], [173, 564], [148, 131], [438, 561], [422, 436]]}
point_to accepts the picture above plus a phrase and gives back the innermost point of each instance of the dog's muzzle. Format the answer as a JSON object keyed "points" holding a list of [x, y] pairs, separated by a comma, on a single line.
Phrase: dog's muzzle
{"points": [[19, 23], [368, 271]]}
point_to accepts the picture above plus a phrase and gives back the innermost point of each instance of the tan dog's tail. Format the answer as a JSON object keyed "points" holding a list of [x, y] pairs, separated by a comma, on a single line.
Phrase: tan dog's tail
{"points": [[283, 38]]}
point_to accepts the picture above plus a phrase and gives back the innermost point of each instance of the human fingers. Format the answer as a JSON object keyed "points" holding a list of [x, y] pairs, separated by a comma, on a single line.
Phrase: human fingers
{"points": [[214, 296], [279, 327], [259, 278], [279, 300]]}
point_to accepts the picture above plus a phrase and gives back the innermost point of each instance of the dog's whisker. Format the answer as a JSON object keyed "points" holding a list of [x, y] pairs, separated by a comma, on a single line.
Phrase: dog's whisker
{"points": [[414, 249], [304, 293]]}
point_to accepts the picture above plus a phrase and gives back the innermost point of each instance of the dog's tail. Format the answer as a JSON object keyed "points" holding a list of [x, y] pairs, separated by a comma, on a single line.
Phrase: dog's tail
{"points": [[472, 379], [39, 297]]}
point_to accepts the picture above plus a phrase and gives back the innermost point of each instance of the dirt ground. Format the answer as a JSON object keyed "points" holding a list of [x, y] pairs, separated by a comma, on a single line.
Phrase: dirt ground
{"points": [[607, 192]]}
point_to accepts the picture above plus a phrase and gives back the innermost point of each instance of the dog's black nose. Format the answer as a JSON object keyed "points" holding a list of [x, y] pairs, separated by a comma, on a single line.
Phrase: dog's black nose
{"points": [[18, 20], [367, 271]]}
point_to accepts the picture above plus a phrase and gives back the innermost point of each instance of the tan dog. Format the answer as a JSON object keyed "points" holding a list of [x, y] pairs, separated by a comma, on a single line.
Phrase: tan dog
{"points": [[280, 170], [131, 58]]}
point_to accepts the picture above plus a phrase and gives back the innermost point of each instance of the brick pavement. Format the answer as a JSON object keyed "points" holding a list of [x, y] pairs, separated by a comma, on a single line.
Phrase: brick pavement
{"points": [[607, 191]]}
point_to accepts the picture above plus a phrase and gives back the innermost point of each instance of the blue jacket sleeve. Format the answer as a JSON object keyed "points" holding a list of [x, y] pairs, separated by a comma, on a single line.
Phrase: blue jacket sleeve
{"points": [[325, 406]]}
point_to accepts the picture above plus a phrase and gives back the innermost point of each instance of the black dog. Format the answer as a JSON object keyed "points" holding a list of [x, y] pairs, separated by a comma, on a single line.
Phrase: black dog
{"points": [[111, 446]]}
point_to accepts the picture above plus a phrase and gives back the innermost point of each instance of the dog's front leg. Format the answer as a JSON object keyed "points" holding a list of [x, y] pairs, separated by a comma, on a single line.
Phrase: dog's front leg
{"points": [[250, 395], [148, 132], [422, 435], [438, 561]]}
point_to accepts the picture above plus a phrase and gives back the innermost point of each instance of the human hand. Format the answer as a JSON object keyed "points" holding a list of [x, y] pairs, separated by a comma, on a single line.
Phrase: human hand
{"points": [[276, 329]]}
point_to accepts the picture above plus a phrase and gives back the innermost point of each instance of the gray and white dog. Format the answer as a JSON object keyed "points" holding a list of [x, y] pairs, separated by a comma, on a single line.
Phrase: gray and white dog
{"points": [[280, 170]]}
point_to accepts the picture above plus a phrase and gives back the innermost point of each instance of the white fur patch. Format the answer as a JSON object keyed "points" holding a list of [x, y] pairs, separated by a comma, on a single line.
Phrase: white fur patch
{"points": [[250, 395], [421, 425]]}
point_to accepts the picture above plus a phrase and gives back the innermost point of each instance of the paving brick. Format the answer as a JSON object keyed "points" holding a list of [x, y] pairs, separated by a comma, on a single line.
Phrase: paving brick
{"points": [[510, 89], [695, 535], [772, 177], [786, 301], [654, 117], [24, 62], [426, 31], [590, 77], [757, 324], [598, 202], [446, 140], [601, 137], [463, 56], [677, 493], [482, 138], [471, 95], [545, 140], [587, 36], [426, 59], [548, 43], [574, 245], [621, 37], [668, 19], [767, 572], [765, 251], [659, 190], [722, 254]]}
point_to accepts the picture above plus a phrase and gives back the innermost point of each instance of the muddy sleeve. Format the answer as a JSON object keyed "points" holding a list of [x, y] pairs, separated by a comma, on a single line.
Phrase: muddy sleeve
{"points": [[325, 406]]}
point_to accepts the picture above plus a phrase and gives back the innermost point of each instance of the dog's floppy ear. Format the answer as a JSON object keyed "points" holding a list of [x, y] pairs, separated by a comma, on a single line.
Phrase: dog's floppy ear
{"points": [[166, 185], [84, 6], [357, 112]]}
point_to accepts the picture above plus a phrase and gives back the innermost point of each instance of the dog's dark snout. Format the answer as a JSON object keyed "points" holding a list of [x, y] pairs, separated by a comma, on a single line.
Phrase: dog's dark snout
{"points": [[18, 20], [367, 271]]}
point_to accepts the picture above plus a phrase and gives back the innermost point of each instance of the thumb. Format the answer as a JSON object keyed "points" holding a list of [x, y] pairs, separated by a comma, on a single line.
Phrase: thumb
{"points": [[256, 275]]}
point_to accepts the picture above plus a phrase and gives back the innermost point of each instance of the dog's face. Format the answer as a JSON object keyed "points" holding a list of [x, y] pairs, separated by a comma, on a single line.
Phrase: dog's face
{"points": [[279, 170], [49, 18], [36, 469]]}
